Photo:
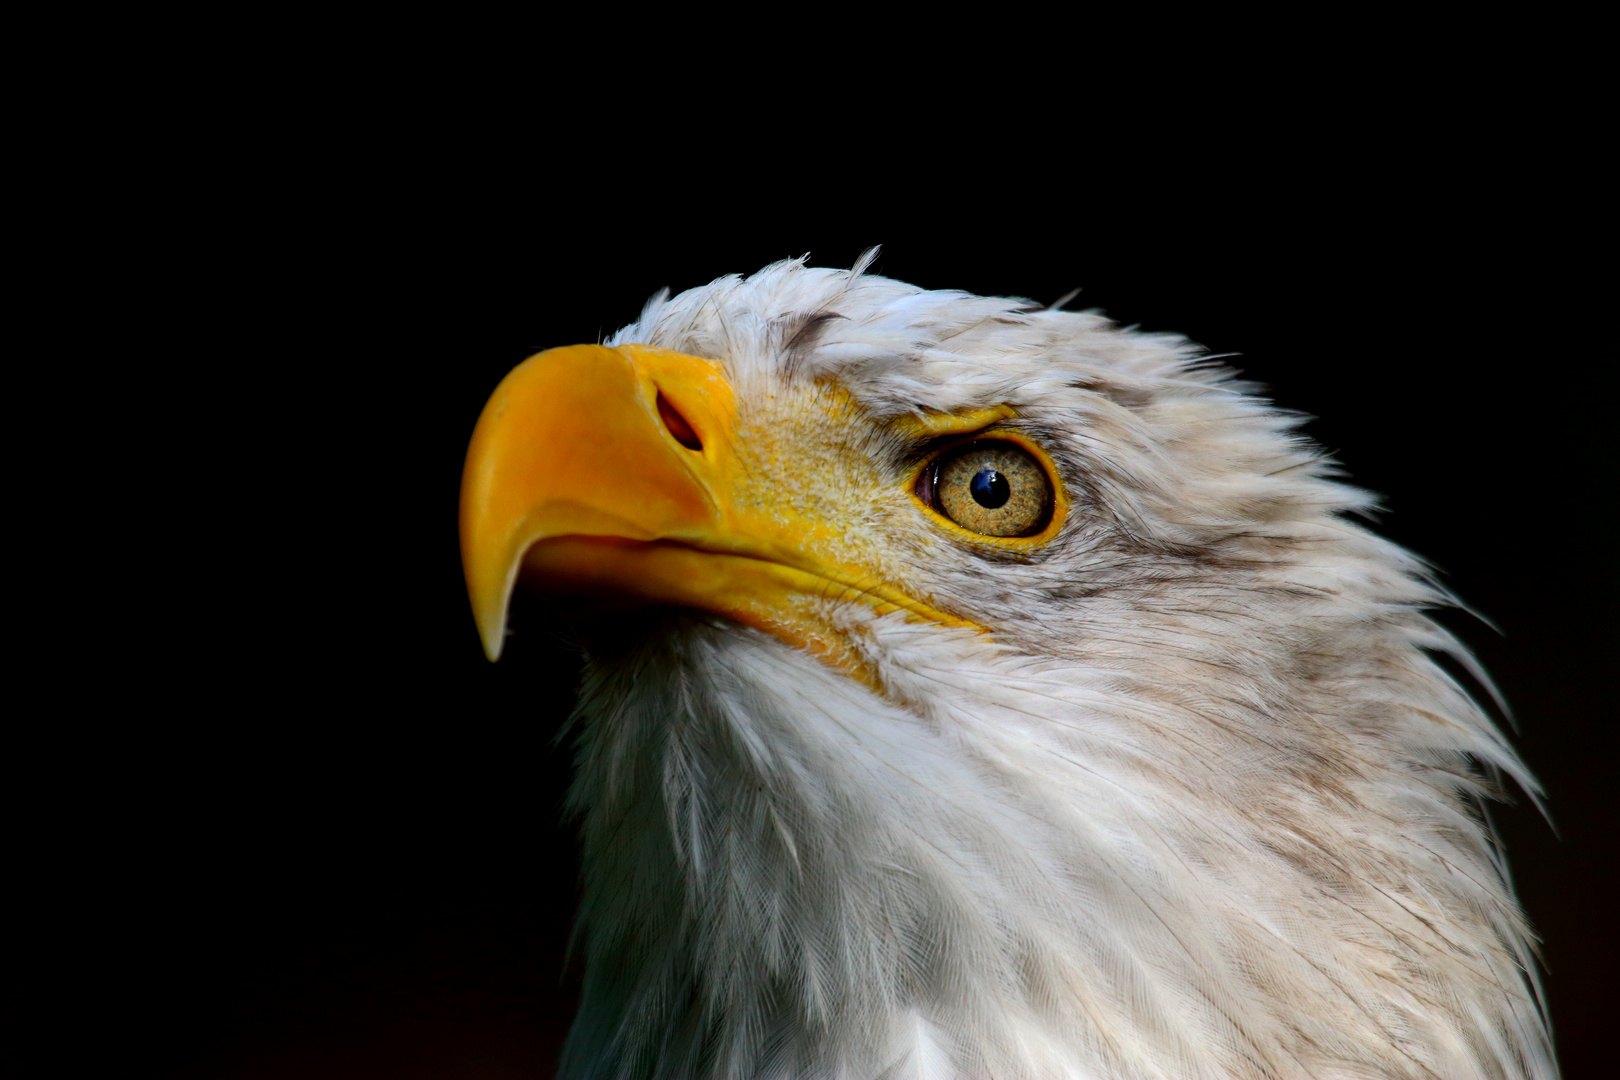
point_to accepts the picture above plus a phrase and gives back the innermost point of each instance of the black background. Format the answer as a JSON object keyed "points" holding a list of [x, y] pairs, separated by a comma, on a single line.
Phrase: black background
{"points": [[287, 819]]}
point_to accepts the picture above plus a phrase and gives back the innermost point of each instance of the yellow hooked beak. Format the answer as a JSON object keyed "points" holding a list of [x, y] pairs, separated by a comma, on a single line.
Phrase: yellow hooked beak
{"points": [[614, 470]]}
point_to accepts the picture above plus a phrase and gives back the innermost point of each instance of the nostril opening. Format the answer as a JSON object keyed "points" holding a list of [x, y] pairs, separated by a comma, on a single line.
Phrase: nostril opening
{"points": [[677, 425]]}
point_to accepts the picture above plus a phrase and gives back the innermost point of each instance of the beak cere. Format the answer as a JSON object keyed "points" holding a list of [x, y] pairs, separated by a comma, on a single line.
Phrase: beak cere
{"points": [[571, 445]]}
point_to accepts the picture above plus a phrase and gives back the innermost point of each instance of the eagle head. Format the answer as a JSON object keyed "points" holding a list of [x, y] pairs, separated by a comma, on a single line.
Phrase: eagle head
{"points": [[990, 691]]}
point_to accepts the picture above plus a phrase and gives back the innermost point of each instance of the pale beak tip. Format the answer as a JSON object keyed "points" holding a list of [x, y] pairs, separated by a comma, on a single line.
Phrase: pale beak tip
{"points": [[492, 648], [492, 635]]}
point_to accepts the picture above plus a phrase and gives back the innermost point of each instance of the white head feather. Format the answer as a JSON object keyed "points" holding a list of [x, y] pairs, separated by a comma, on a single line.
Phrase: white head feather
{"points": [[1205, 807]]}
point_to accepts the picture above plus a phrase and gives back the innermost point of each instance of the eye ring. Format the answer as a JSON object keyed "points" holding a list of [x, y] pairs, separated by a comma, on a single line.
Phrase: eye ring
{"points": [[996, 488]]}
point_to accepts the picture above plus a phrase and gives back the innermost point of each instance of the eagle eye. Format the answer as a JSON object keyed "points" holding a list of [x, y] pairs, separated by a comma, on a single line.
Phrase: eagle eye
{"points": [[989, 486]]}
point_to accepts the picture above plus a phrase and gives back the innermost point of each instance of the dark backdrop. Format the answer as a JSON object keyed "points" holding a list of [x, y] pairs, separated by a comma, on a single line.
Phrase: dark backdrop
{"points": [[307, 830]]}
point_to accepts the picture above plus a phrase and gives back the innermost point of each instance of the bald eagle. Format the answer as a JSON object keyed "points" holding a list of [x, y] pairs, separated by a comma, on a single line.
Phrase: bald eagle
{"points": [[992, 691]]}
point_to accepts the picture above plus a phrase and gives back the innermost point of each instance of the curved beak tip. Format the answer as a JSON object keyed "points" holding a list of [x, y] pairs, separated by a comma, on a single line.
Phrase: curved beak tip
{"points": [[491, 622], [491, 600], [493, 646]]}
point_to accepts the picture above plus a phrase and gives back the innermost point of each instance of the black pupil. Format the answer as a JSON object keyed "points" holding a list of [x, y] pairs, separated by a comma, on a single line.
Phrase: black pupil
{"points": [[990, 489]]}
